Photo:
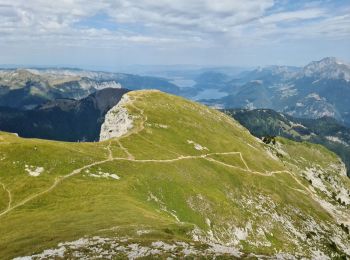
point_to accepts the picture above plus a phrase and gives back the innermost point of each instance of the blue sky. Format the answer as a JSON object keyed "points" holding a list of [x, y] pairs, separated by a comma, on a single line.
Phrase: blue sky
{"points": [[115, 33]]}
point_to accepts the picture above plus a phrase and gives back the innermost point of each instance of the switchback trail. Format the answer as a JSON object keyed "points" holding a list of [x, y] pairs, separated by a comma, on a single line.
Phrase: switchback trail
{"points": [[130, 158]]}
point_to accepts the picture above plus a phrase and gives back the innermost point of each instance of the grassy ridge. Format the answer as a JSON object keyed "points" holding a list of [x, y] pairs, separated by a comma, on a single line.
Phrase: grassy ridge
{"points": [[165, 185]]}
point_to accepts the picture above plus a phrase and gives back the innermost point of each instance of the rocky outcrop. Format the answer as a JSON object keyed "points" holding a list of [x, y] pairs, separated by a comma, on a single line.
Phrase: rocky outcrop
{"points": [[117, 121]]}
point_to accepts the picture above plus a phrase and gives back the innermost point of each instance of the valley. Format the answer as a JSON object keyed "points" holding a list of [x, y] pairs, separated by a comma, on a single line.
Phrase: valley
{"points": [[316, 90]]}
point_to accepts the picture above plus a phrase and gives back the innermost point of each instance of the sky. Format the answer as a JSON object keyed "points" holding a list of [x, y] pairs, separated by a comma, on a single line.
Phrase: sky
{"points": [[116, 33]]}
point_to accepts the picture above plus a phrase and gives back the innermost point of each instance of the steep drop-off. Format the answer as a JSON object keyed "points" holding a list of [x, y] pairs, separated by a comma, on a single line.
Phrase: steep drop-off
{"points": [[63, 119]]}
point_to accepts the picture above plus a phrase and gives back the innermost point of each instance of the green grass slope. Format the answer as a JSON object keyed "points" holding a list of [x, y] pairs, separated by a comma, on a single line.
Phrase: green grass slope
{"points": [[185, 181]]}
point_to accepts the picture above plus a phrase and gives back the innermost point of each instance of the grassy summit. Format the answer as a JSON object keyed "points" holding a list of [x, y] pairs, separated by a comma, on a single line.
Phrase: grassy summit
{"points": [[186, 180]]}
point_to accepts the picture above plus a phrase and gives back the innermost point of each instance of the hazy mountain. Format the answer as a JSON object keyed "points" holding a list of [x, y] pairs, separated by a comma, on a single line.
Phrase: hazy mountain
{"points": [[269, 74], [322, 88], [327, 68], [319, 89], [27, 88]]}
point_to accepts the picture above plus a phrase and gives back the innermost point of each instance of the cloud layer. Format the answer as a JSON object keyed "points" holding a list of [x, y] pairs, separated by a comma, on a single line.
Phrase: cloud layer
{"points": [[168, 26]]}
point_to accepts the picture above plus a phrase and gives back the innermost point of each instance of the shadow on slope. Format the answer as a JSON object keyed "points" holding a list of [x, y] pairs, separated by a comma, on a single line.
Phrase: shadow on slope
{"points": [[62, 119]]}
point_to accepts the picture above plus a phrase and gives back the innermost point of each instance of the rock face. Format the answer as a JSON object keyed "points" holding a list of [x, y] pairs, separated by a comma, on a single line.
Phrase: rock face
{"points": [[327, 68], [117, 121]]}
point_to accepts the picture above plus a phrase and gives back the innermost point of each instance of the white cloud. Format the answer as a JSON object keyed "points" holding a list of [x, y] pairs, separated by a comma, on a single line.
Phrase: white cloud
{"points": [[294, 16], [26, 18], [166, 23]]}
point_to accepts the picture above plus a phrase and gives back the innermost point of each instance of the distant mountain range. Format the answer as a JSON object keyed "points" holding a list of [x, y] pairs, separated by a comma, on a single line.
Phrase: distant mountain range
{"points": [[322, 88], [28, 88], [326, 131], [62, 119]]}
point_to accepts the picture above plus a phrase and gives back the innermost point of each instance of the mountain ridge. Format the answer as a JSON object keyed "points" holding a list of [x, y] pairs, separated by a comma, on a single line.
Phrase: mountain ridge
{"points": [[27, 88], [195, 185], [328, 68], [319, 89]]}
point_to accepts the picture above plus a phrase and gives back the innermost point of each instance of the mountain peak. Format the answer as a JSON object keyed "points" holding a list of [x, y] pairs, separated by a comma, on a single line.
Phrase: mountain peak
{"points": [[329, 59], [327, 68]]}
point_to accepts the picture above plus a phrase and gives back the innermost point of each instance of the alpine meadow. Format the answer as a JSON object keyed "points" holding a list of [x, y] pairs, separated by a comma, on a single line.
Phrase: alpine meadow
{"points": [[174, 129]]}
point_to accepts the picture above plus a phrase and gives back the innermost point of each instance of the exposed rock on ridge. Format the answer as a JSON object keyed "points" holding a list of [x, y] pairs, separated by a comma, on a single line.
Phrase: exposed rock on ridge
{"points": [[117, 121]]}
